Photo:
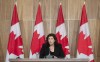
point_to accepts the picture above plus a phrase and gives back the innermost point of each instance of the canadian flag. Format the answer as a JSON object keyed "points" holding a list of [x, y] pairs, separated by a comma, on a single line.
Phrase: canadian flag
{"points": [[84, 49], [38, 36], [61, 33], [15, 45]]}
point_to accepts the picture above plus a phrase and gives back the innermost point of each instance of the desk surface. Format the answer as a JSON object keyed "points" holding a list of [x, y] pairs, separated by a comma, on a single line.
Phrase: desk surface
{"points": [[49, 60]]}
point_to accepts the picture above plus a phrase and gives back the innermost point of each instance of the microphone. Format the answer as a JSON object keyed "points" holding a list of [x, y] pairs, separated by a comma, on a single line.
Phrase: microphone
{"points": [[49, 56]]}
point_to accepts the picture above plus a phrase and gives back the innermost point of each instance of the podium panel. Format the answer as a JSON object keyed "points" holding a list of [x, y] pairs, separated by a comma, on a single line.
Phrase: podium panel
{"points": [[49, 60]]}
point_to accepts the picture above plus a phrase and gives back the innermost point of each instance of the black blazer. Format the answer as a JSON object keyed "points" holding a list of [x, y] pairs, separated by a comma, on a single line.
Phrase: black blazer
{"points": [[58, 52]]}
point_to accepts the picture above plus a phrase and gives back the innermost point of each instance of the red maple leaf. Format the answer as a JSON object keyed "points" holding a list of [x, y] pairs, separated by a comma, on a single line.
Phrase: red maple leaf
{"points": [[13, 44], [35, 43], [83, 44], [18, 46], [63, 42]]}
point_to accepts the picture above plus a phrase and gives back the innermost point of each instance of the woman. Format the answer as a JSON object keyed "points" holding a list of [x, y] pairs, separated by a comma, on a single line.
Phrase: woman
{"points": [[51, 48]]}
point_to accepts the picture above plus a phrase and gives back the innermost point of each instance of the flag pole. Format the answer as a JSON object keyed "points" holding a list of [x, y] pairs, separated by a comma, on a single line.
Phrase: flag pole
{"points": [[60, 3], [84, 1], [39, 3], [15, 2]]}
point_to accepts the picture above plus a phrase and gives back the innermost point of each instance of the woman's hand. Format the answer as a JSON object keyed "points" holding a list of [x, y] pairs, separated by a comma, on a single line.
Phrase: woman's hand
{"points": [[55, 57]]}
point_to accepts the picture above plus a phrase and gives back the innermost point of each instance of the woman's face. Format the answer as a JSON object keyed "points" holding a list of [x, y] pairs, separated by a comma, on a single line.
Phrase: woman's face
{"points": [[51, 40]]}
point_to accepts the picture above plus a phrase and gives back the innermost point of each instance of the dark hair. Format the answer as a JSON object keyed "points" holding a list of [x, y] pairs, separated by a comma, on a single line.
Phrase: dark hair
{"points": [[55, 38]]}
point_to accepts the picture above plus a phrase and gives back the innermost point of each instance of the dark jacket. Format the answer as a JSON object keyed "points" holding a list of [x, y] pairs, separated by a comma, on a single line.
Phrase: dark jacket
{"points": [[58, 52]]}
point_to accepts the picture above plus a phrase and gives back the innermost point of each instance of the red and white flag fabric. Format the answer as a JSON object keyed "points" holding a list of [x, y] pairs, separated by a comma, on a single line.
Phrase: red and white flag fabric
{"points": [[15, 44], [84, 49], [38, 35], [61, 33]]}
